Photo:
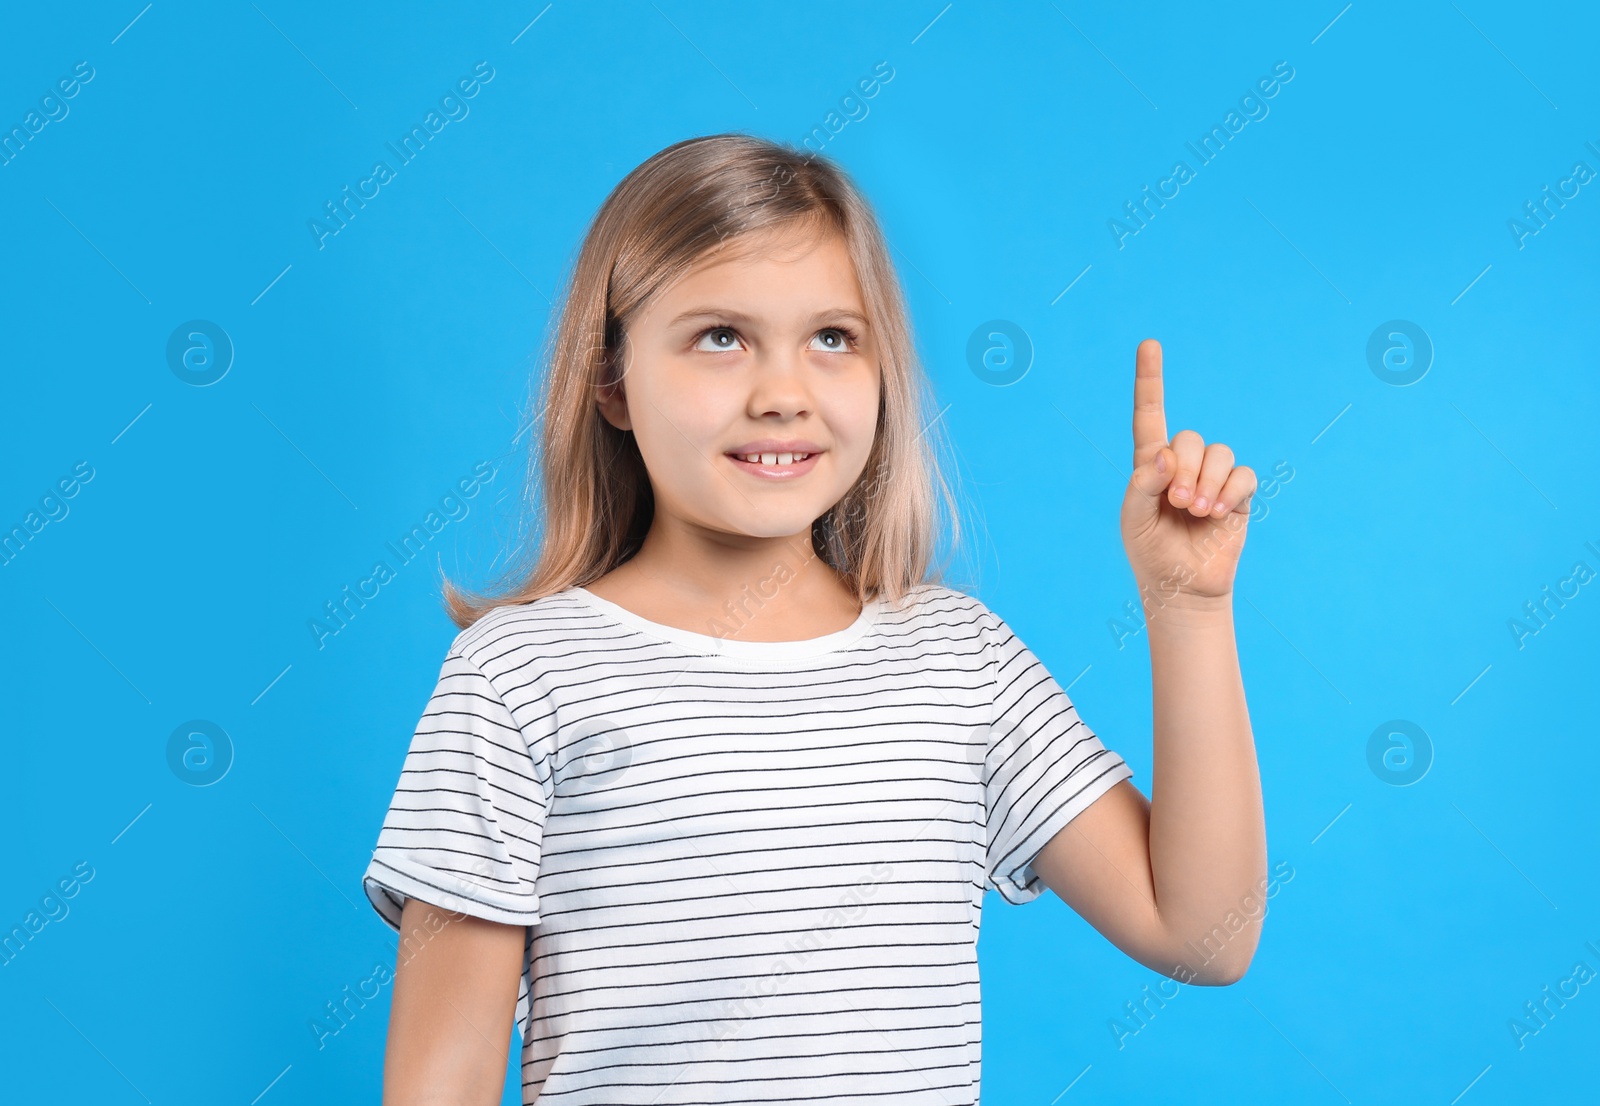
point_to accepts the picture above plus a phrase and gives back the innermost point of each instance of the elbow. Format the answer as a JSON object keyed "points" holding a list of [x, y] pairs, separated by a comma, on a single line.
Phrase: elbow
{"points": [[1221, 967], [1222, 975]]}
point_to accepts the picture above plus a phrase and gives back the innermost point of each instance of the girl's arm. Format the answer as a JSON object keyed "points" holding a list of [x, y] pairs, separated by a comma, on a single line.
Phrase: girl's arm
{"points": [[1179, 882], [455, 994]]}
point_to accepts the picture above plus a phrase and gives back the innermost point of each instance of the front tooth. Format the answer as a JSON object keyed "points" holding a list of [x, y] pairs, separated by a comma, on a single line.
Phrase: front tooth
{"points": [[769, 458], [785, 458]]}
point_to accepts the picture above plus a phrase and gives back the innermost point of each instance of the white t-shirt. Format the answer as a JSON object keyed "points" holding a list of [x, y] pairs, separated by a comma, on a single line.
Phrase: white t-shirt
{"points": [[752, 871]]}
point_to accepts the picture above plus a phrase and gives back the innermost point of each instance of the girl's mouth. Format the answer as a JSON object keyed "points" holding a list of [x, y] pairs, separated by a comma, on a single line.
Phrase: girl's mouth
{"points": [[775, 466]]}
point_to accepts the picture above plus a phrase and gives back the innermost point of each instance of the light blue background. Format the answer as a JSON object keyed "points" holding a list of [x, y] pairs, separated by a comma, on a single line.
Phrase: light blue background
{"points": [[371, 374]]}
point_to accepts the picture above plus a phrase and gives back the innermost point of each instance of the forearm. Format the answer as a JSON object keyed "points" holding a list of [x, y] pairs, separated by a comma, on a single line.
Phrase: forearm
{"points": [[1207, 834]]}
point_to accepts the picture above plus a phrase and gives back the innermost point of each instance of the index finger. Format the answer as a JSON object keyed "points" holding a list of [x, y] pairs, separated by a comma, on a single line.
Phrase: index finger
{"points": [[1149, 408]]}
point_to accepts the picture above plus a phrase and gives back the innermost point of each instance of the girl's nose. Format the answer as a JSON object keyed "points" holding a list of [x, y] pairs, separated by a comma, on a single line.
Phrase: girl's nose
{"points": [[778, 386]]}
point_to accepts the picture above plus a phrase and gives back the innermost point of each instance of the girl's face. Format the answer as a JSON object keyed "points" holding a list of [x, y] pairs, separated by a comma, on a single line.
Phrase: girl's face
{"points": [[768, 353]]}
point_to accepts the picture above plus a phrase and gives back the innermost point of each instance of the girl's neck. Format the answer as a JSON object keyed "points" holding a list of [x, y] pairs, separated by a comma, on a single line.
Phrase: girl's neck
{"points": [[780, 592]]}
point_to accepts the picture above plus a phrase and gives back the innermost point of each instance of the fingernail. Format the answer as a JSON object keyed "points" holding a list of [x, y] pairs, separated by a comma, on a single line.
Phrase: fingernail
{"points": [[1180, 493], [1161, 462], [1200, 504], [1220, 508]]}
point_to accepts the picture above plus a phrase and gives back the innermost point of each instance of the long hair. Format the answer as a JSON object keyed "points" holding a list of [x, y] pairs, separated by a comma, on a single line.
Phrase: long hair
{"points": [[662, 219]]}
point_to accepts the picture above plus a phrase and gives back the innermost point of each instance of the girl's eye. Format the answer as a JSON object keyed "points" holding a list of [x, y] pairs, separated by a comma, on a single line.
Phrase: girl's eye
{"points": [[842, 340], [836, 339], [719, 336]]}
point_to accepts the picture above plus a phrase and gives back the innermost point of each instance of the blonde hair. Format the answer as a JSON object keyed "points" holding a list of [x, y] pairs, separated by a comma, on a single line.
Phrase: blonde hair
{"points": [[666, 216]]}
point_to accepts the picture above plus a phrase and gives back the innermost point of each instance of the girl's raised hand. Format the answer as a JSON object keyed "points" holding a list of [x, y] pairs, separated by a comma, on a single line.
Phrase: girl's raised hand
{"points": [[1187, 505]]}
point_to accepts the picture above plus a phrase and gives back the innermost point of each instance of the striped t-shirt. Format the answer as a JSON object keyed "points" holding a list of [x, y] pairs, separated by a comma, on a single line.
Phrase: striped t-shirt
{"points": [[752, 872]]}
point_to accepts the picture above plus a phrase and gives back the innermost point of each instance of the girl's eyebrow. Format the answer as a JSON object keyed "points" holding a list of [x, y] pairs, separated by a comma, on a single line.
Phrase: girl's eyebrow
{"points": [[740, 317]]}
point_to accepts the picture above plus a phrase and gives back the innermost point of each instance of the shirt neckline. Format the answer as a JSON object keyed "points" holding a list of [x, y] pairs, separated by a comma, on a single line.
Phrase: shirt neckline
{"points": [[712, 646]]}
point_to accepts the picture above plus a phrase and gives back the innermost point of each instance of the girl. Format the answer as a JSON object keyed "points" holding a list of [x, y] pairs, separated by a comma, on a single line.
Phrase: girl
{"points": [[709, 798]]}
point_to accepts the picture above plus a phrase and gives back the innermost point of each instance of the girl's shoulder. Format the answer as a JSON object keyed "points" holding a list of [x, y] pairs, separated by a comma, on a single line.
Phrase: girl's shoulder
{"points": [[547, 621], [951, 610], [931, 594], [931, 598], [957, 613]]}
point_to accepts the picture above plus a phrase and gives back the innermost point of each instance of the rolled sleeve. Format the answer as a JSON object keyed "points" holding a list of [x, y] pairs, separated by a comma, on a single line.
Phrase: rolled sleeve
{"points": [[1042, 768], [464, 829]]}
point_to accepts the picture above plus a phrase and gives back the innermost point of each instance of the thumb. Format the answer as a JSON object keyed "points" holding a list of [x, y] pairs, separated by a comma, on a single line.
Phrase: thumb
{"points": [[1153, 477]]}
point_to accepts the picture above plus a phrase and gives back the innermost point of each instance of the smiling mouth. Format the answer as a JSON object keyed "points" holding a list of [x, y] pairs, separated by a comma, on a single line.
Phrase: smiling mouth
{"points": [[770, 458], [774, 465]]}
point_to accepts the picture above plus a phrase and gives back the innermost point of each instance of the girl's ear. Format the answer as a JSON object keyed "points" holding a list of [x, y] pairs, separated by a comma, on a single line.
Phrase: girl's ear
{"points": [[610, 396], [613, 405]]}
